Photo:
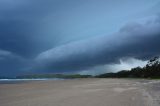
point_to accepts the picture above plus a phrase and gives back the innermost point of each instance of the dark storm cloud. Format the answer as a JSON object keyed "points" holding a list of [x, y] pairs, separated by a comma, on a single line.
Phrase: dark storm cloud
{"points": [[29, 27], [133, 40], [11, 64], [14, 27], [38, 25], [25, 30], [25, 26]]}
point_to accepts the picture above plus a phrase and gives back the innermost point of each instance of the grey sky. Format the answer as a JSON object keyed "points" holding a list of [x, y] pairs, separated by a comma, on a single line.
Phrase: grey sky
{"points": [[30, 28]]}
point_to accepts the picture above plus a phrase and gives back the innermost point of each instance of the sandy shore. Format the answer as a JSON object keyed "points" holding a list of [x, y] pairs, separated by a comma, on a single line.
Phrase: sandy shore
{"points": [[82, 92]]}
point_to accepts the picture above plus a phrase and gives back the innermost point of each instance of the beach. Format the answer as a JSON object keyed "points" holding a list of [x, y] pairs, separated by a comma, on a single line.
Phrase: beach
{"points": [[82, 92]]}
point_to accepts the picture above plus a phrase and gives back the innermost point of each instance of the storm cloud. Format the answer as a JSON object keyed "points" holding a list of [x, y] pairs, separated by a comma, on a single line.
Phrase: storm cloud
{"points": [[137, 40], [10, 61], [75, 35]]}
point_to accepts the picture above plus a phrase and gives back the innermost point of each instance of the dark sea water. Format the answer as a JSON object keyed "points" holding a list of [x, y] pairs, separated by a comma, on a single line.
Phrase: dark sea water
{"points": [[15, 81]]}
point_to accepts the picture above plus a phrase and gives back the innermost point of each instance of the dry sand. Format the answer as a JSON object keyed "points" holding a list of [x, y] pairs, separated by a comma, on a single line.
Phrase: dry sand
{"points": [[82, 92]]}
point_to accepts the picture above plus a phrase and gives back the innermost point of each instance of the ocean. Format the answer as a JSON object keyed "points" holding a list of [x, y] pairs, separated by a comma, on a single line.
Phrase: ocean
{"points": [[13, 81]]}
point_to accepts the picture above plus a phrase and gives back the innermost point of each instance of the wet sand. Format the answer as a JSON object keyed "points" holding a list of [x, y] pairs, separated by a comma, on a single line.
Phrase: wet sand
{"points": [[82, 92]]}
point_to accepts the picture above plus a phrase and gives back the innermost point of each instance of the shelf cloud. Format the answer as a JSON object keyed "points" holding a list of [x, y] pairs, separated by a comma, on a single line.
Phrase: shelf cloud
{"points": [[73, 36], [137, 40]]}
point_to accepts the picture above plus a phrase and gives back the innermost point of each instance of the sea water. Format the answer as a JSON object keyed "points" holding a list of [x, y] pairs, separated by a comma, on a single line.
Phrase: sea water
{"points": [[13, 81]]}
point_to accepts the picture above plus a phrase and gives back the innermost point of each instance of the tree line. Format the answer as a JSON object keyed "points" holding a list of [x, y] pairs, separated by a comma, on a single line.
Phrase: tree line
{"points": [[151, 70]]}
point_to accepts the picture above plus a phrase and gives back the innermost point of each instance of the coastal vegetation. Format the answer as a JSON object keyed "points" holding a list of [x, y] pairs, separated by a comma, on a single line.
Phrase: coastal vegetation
{"points": [[151, 70]]}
